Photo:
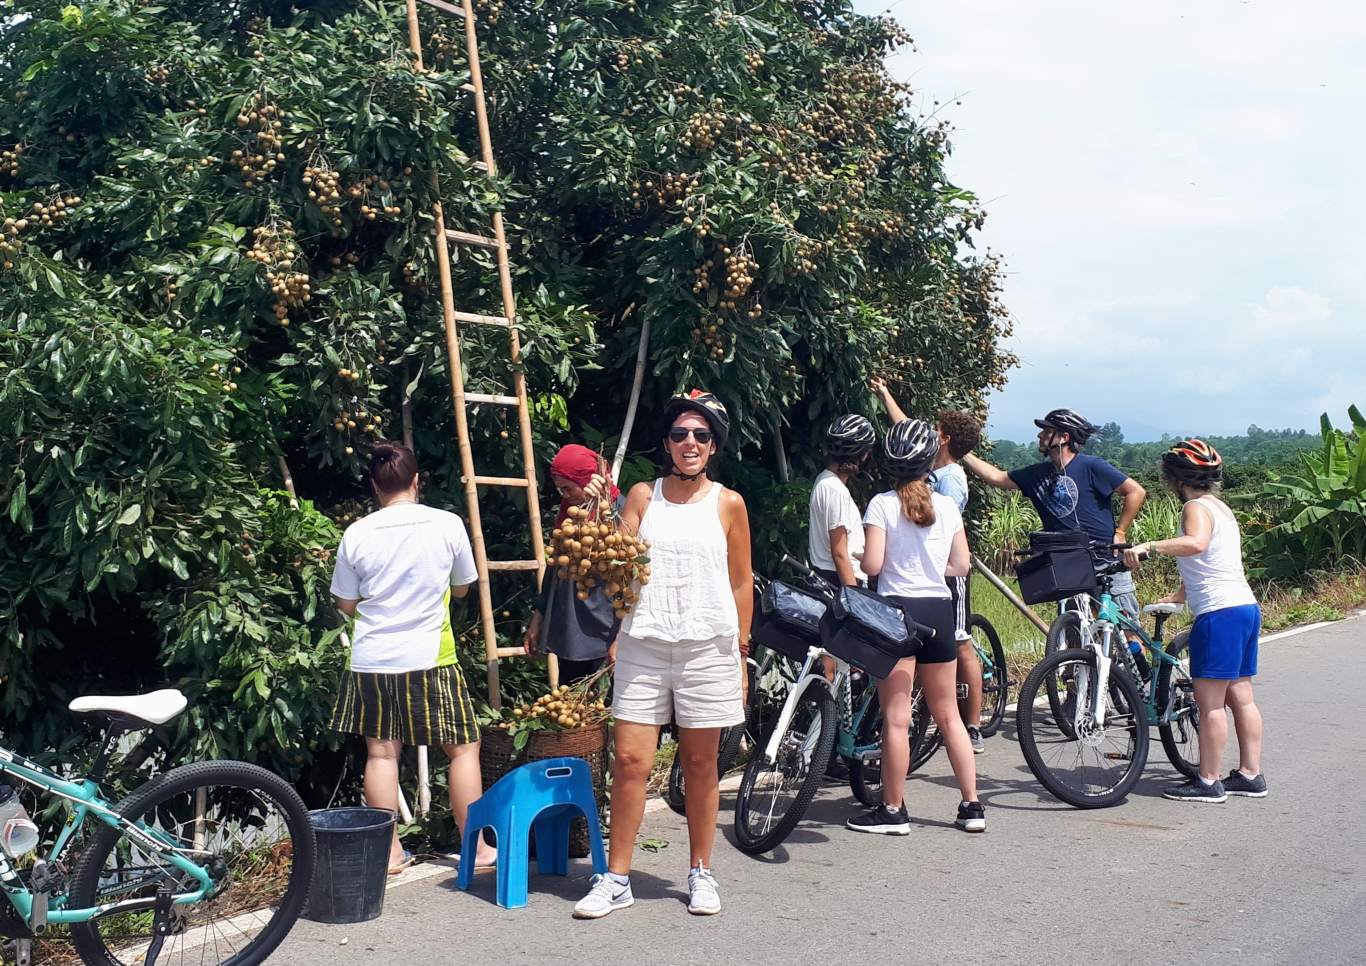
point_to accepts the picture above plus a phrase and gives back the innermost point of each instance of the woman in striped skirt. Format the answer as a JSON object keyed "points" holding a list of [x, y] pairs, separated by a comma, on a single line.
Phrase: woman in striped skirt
{"points": [[397, 570]]}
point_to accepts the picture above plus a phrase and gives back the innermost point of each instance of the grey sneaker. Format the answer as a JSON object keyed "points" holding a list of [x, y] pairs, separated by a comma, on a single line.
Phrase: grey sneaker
{"points": [[975, 736], [1239, 784], [704, 898], [1197, 790], [604, 896]]}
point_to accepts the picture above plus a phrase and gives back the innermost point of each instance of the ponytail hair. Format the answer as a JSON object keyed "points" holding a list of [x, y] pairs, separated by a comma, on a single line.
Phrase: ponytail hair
{"points": [[393, 467], [916, 502]]}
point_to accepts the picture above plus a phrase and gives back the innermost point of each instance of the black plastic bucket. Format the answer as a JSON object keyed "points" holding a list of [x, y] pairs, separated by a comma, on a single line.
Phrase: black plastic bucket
{"points": [[353, 864]]}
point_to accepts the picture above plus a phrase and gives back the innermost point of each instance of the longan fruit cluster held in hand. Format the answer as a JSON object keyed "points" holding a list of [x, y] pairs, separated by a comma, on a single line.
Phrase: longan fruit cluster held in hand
{"points": [[588, 549], [567, 707]]}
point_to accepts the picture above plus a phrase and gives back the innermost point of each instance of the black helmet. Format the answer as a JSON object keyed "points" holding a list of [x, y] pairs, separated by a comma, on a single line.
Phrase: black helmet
{"points": [[1194, 463], [1068, 421], [708, 406], [909, 449], [849, 437]]}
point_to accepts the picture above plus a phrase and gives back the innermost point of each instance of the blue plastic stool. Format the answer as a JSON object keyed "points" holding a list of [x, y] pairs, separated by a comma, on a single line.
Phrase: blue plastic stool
{"points": [[542, 797]]}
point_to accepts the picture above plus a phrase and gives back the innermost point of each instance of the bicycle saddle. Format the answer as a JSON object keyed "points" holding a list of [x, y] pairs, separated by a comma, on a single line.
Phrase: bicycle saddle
{"points": [[1163, 608], [155, 708]]}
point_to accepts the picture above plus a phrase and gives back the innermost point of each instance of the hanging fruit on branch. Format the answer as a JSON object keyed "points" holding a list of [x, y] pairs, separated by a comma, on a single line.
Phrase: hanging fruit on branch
{"points": [[591, 549]]}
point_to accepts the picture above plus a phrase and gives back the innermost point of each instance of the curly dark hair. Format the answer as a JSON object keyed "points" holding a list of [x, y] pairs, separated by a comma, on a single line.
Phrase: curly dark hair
{"points": [[964, 431]]}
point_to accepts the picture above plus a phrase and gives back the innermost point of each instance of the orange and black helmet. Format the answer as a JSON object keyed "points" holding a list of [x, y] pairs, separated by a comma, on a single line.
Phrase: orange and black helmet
{"points": [[1193, 462]]}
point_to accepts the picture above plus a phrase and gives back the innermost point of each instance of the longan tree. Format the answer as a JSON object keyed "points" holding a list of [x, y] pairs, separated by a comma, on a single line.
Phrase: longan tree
{"points": [[216, 274]]}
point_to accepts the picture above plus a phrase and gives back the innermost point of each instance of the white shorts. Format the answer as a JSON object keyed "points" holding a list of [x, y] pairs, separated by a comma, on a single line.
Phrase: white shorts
{"points": [[693, 683]]}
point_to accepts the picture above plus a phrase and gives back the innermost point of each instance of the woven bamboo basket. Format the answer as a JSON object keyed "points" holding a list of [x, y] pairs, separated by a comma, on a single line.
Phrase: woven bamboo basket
{"points": [[497, 758]]}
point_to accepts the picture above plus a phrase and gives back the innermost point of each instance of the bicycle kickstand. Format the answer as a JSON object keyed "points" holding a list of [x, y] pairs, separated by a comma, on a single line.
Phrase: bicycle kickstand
{"points": [[163, 924]]}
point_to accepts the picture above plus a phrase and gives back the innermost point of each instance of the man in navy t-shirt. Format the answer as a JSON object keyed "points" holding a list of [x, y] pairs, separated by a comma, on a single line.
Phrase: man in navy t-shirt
{"points": [[1072, 491]]}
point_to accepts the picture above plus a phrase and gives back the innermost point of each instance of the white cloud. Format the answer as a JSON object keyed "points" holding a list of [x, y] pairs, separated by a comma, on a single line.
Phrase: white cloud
{"points": [[1175, 189]]}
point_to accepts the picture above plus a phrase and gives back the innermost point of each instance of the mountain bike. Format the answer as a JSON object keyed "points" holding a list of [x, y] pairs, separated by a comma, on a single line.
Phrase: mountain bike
{"points": [[210, 861], [786, 767], [1091, 748]]}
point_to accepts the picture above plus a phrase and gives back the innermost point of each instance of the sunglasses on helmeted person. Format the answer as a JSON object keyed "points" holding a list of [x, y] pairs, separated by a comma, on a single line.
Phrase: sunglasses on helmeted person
{"points": [[679, 433]]}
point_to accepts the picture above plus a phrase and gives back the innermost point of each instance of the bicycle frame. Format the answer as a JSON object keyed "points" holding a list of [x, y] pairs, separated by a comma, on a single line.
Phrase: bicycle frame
{"points": [[806, 679], [1108, 620], [85, 801]]}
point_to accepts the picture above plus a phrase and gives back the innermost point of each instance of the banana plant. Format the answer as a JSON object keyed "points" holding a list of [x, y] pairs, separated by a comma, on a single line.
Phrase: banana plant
{"points": [[1319, 513]]}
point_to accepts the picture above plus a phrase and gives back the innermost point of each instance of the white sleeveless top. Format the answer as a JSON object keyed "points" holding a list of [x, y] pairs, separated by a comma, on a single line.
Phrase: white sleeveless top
{"points": [[689, 597], [1215, 579]]}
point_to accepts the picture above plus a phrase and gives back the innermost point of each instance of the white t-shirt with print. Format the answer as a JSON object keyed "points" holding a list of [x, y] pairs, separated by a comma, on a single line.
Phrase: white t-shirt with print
{"points": [[832, 508], [401, 562], [915, 558]]}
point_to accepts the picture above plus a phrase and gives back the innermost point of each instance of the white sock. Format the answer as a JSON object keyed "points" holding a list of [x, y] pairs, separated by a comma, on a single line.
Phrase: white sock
{"points": [[623, 880]]}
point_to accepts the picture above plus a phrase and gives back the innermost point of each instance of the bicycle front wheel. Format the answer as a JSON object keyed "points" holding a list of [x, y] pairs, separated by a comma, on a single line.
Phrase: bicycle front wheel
{"points": [[1065, 632], [246, 826], [995, 679], [1180, 731], [776, 792], [1085, 764]]}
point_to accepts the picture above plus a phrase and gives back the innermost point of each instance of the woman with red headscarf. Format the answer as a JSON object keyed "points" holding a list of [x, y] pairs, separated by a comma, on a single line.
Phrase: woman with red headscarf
{"points": [[576, 631]]}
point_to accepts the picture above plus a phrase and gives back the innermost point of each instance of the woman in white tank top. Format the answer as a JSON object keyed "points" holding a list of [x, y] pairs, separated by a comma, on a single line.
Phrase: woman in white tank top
{"points": [[680, 654], [1223, 640]]}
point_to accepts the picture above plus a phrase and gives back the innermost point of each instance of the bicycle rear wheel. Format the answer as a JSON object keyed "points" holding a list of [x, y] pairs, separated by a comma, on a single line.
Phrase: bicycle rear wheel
{"points": [[925, 737], [1180, 733], [775, 793], [1094, 766], [245, 825], [995, 679], [676, 794]]}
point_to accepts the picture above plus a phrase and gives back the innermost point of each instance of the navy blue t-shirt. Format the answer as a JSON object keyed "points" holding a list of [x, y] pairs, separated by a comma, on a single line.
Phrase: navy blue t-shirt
{"points": [[1077, 499]]}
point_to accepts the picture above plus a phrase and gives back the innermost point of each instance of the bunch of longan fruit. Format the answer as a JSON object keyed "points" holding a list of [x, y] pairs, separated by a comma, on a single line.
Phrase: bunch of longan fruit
{"points": [[589, 549], [577, 707]]}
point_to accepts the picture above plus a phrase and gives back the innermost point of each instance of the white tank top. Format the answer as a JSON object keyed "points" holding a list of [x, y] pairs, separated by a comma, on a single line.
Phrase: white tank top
{"points": [[1214, 579], [689, 597]]}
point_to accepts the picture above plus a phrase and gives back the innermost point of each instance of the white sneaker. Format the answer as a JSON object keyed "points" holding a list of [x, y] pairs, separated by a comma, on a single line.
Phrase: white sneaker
{"points": [[603, 897], [704, 899]]}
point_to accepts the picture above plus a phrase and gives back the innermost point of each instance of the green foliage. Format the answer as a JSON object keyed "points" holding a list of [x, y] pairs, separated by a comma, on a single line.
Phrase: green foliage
{"points": [[188, 307], [1315, 517]]}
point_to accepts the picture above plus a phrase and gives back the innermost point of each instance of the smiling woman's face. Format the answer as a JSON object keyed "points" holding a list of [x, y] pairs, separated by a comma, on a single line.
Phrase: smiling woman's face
{"points": [[689, 456]]}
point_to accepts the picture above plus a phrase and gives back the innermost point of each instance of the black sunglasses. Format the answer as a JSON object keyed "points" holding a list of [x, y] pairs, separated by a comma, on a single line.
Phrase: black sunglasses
{"points": [[679, 433]]}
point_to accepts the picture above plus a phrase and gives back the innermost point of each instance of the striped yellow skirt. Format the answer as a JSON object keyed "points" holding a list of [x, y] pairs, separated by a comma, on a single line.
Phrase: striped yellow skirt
{"points": [[430, 707]]}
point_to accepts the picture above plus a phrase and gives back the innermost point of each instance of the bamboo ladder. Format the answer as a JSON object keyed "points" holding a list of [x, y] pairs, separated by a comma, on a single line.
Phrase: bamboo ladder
{"points": [[462, 400]]}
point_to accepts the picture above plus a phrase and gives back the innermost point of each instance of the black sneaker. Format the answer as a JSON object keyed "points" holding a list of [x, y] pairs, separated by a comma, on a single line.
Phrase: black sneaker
{"points": [[972, 817], [975, 736], [882, 821], [1239, 784], [1196, 790]]}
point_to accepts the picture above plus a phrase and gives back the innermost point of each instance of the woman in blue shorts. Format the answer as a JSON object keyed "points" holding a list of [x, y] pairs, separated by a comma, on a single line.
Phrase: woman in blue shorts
{"points": [[1223, 642]]}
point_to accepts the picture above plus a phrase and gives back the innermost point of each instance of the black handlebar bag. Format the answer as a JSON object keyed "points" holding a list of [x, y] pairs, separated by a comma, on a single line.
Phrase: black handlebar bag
{"points": [[788, 620], [1060, 566], [870, 632]]}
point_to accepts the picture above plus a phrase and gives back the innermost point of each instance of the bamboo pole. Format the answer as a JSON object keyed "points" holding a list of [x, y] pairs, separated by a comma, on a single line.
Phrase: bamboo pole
{"points": [[642, 352], [1009, 594], [533, 498]]}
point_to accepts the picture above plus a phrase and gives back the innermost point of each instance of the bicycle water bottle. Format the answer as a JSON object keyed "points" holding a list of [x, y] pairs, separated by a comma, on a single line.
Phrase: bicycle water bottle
{"points": [[1140, 659], [18, 834]]}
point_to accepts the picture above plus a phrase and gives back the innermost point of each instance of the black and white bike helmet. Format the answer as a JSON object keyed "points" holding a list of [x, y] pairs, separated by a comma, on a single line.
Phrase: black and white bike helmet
{"points": [[1071, 422], [909, 449], [848, 437]]}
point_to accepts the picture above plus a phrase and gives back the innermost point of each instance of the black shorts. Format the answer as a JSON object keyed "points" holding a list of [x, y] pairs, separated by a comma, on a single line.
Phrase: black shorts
{"points": [[936, 612]]}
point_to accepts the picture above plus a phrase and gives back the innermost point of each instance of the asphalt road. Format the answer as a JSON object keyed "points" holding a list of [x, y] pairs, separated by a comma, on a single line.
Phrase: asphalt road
{"points": [[1277, 880]]}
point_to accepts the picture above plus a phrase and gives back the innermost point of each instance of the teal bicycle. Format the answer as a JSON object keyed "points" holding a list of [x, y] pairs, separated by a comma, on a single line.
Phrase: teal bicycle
{"points": [[209, 862], [1085, 711]]}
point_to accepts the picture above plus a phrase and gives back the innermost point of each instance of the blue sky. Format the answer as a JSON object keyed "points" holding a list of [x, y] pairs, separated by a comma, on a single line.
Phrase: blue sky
{"points": [[1177, 190]]}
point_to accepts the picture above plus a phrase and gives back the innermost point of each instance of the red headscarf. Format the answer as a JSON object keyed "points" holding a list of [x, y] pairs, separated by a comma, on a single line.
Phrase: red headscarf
{"points": [[577, 464]]}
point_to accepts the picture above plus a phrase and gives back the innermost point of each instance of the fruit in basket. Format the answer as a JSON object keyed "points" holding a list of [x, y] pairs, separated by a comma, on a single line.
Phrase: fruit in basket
{"points": [[562, 708]]}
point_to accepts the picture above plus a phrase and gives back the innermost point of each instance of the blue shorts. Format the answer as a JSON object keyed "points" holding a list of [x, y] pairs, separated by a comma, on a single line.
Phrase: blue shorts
{"points": [[1223, 643]]}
